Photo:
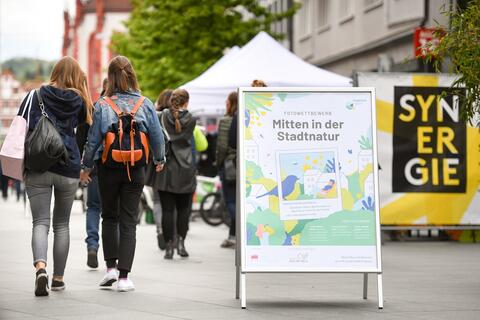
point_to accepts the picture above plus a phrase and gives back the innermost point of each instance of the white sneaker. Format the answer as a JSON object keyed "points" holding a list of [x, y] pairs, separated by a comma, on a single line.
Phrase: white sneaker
{"points": [[109, 279], [125, 285]]}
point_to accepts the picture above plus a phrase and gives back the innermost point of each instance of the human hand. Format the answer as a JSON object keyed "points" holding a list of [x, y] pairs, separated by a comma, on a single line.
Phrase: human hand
{"points": [[159, 167], [85, 177]]}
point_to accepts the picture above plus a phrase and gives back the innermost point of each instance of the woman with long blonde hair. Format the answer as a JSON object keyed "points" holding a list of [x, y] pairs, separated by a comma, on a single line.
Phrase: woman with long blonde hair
{"points": [[67, 103]]}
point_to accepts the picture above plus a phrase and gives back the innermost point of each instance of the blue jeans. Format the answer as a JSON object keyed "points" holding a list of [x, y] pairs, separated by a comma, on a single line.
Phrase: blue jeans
{"points": [[94, 209], [229, 195]]}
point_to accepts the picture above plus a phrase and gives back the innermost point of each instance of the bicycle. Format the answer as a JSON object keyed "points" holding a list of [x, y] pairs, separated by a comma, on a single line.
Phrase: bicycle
{"points": [[213, 209]]}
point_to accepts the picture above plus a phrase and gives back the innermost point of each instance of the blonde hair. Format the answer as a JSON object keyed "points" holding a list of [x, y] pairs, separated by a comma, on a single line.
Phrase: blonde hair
{"points": [[121, 76], [177, 100], [68, 75]]}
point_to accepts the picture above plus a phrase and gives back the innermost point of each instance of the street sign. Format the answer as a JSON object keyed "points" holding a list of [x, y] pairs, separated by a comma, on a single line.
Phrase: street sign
{"points": [[424, 41]]}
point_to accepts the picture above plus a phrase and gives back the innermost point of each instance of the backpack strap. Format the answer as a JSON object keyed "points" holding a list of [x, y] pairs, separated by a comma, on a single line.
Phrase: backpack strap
{"points": [[113, 105], [137, 106], [117, 110], [119, 113]]}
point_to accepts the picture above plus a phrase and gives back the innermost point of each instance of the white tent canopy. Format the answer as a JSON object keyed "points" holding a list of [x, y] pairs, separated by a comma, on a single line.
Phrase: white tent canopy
{"points": [[262, 58]]}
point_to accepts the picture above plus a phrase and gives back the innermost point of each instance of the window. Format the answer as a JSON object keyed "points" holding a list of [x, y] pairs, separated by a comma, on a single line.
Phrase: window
{"points": [[345, 10], [305, 17], [322, 13], [371, 4]]}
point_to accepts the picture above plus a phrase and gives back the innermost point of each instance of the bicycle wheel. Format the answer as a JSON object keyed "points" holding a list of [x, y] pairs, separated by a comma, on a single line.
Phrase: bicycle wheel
{"points": [[212, 209]]}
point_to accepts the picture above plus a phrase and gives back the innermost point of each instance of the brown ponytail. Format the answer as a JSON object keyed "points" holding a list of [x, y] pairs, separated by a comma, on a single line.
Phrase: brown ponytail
{"points": [[121, 76], [178, 99]]}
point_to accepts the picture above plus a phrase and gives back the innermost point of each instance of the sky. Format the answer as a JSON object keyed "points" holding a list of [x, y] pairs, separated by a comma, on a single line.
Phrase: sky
{"points": [[32, 28]]}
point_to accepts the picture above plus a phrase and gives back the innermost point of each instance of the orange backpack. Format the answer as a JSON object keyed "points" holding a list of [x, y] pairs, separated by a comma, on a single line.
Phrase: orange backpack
{"points": [[125, 146]]}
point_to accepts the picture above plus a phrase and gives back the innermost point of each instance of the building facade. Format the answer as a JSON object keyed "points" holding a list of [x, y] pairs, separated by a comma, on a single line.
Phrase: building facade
{"points": [[344, 36], [11, 95], [87, 36]]}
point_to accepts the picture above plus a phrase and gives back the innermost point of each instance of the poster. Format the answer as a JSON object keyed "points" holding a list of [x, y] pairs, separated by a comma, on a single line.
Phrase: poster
{"points": [[307, 180], [429, 138], [429, 157]]}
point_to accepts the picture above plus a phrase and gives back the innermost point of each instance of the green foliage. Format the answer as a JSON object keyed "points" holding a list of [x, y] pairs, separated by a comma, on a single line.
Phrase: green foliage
{"points": [[460, 42], [173, 41], [28, 68]]}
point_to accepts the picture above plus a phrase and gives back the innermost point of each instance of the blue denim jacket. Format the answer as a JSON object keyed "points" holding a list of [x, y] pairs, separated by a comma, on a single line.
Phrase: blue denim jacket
{"points": [[104, 117]]}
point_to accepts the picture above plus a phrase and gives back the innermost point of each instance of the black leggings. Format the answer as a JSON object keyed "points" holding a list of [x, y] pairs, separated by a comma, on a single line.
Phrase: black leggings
{"points": [[120, 199], [182, 202]]}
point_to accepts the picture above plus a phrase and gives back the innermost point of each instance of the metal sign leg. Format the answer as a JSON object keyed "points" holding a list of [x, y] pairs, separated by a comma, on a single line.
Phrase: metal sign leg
{"points": [[365, 286], [380, 291], [243, 293], [237, 282]]}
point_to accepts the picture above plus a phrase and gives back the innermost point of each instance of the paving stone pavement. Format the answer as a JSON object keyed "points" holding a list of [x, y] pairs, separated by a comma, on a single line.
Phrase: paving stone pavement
{"points": [[422, 280]]}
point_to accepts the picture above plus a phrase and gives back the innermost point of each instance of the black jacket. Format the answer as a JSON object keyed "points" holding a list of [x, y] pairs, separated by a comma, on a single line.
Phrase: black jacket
{"points": [[232, 133], [179, 174], [66, 108]]}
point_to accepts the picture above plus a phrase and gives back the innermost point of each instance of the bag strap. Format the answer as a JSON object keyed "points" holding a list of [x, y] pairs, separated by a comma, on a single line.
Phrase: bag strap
{"points": [[28, 106], [137, 106], [164, 129], [119, 112], [28, 102], [41, 104], [113, 106]]}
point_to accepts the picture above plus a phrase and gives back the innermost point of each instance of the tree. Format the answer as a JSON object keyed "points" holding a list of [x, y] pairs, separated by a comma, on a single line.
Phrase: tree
{"points": [[460, 42], [172, 41], [28, 68]]}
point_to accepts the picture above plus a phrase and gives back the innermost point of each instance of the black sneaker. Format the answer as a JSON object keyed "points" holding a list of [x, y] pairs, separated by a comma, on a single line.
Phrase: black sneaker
{"points": [[58, 285], [161, 241], [92, 260], [41, 283]]}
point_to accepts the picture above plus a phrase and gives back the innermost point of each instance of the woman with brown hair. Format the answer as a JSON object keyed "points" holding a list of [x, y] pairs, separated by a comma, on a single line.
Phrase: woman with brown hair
{"points": [[67, 103], [177, 182], [163, 100], [162, 103], [224, 154], [122, 117]]}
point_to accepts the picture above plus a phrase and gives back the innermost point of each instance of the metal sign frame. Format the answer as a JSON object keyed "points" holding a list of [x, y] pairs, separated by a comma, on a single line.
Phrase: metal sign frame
{"points": [[241, 268]]}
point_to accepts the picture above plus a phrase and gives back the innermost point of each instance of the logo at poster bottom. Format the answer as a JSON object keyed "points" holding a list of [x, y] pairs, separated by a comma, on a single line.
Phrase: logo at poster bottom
{"points": [[301, 257]]}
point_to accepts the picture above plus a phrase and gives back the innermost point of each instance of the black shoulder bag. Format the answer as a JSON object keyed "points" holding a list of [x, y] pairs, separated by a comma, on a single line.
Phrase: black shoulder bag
{"points": [[44, 146]]}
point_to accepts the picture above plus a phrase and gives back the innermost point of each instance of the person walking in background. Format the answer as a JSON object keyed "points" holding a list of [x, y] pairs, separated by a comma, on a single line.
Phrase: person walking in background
{"points": [[122, 117], [232, 135], [18, 189], [162, 103], [177, 182], [225, 157], [94, 206], [199, 144], [67, 102], [4, 185]]}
